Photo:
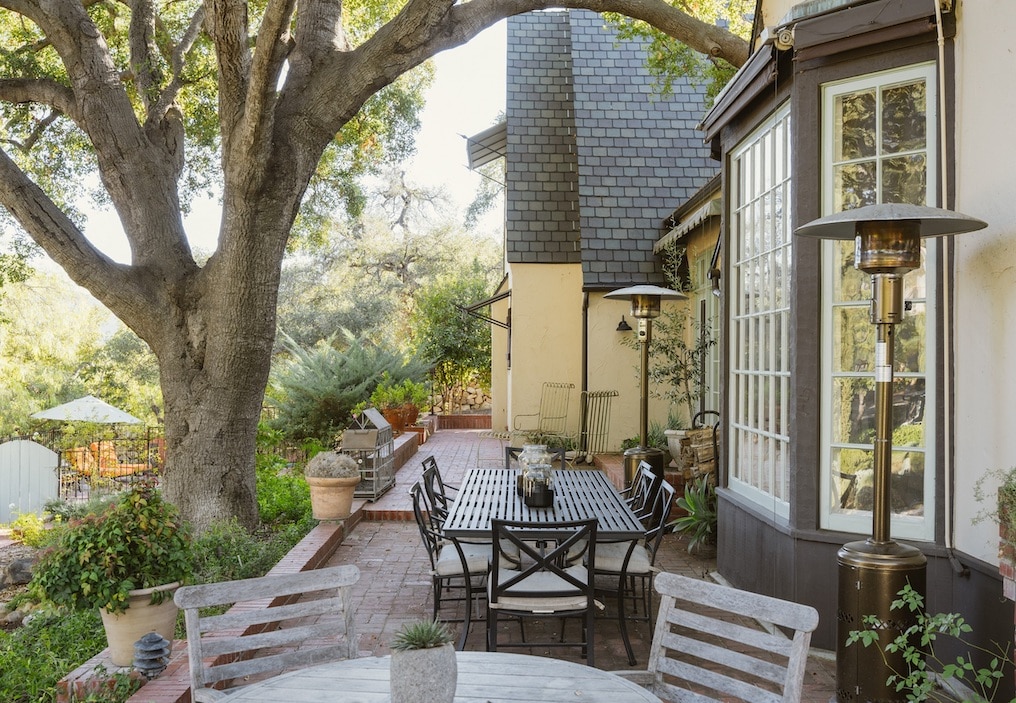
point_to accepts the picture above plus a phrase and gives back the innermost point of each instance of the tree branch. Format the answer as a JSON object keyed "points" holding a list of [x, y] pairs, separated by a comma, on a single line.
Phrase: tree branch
{"points": [[144, 51], [43, 91], [227, 25]]}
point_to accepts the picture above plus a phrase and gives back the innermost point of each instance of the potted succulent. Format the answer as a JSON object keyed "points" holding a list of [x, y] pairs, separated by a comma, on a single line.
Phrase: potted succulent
{"points": [[332, 477], [126, 561], [423, 664], [698, 520]]}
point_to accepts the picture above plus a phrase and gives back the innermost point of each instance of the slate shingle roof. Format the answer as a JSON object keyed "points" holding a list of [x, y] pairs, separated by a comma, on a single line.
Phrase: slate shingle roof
{"points": [[596, 158]]}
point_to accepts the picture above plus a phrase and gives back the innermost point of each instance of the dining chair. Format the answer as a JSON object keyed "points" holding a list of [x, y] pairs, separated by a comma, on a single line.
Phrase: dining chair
{"points": [[558, 456], [454, 565], [633, 560], [708, 644], [639, 495], [437, 494], [544, 584], [293, 631]]}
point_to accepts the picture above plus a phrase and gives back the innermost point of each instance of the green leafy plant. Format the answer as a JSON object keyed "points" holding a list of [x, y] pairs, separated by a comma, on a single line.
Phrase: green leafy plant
{"points": [[916, 644], [29, 529], [139, 542], [1001, 502], [422, 634], [699, 519], [656, 438]]}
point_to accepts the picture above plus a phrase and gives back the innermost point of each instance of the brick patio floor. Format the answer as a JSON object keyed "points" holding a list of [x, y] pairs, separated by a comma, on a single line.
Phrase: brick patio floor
{"points": [[394, 586]]}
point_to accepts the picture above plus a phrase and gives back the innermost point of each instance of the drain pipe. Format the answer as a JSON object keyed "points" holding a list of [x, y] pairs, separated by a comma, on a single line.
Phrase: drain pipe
{"points": [[947, 312], [585, 366]]}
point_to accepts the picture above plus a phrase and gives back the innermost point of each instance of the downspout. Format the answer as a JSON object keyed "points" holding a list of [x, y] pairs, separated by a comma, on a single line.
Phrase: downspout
{"points": [[947, 305], [585, 366]]}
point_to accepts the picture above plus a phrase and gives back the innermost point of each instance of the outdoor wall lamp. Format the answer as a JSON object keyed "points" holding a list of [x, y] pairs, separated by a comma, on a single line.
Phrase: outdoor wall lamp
{"points": [[623, 325], [645, 305], [886, 245]]}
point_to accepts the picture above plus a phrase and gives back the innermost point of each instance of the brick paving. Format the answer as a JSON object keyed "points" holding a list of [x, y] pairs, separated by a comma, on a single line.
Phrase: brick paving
{"points": [[394, 586]]}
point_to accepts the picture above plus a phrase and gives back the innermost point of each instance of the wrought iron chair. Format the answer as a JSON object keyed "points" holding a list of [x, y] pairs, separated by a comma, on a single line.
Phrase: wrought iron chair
{"points": [[437, 490], [552, 419], [639, 495], [454, 565], [595, 422], [707, 645], [292, 632], [543, 585], [634, 560]]}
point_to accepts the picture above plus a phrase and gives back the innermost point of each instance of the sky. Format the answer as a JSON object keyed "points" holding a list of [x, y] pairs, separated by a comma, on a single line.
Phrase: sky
{"points": [[467, 95]]}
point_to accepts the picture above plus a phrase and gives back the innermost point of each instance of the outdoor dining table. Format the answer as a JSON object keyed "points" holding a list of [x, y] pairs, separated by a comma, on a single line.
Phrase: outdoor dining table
{"points": [[579, 494], [483, 677]]}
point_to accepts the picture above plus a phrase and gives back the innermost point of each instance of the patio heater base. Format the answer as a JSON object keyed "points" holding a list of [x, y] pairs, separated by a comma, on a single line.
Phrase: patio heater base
{"points": [[870, 576], [657, 458]]}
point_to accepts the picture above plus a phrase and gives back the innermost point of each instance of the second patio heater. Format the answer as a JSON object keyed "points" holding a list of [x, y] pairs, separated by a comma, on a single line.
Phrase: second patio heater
{"points": [[645, 305], [871, 572]]}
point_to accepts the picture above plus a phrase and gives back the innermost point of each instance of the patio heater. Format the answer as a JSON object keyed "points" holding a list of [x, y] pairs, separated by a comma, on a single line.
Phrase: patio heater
{"points": [[871, 572], [645, 305]]}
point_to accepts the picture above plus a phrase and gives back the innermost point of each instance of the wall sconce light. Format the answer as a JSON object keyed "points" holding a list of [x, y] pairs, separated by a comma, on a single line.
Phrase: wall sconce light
{"points": [[871, 573], [713, 275], [623, 325]]}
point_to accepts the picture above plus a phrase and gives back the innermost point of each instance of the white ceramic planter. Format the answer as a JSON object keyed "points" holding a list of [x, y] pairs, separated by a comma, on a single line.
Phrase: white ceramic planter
{"points": [[424, 675], [674, 438]]}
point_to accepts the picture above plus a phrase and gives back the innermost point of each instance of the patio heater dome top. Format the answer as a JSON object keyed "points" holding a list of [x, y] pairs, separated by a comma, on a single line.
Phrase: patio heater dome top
{"points": [[930, 221], [664, 293]]}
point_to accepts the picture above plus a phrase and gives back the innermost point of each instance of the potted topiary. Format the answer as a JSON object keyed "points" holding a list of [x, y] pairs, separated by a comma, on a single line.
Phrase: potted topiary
{"points": [[126, 561], [332, 477], [416, 397], [390, 398], [423, 664]]}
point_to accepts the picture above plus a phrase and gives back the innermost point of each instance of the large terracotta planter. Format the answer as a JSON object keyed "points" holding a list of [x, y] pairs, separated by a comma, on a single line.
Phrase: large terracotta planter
{"points": [[396, 417], [331, 498], [140, 618], [424, 675]]}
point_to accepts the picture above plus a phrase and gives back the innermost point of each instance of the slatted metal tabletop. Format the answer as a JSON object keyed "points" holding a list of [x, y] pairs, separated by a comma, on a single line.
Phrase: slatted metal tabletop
{"points": [[483, 677], [486, 494]]}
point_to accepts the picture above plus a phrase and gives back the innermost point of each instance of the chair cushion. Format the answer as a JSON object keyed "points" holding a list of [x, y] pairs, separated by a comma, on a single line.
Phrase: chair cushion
{"points": [[477, 559], [610, 558], [537, 583]]}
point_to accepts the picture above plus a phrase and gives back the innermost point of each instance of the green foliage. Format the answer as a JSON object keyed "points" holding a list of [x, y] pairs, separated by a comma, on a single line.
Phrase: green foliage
{"points": [[34, 657], [459, 343], [390, 393], [699, 506], [422, 634], [917, 643], [226, 551], [1001, 501], [283, 497], [656, 438], [668, 58], [138, 542], [29, 529], [317, 388]]}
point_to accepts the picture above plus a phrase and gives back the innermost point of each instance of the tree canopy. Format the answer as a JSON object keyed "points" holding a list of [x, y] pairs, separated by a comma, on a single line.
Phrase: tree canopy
{"points": [[272, 102]]}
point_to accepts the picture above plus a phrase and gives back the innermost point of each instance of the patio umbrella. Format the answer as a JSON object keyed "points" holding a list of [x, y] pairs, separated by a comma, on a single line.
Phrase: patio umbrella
{"points": [[88, 409]]}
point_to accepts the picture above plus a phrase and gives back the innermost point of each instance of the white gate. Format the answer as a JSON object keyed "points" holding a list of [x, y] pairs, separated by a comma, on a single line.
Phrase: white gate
{"points": [[28, 478]]}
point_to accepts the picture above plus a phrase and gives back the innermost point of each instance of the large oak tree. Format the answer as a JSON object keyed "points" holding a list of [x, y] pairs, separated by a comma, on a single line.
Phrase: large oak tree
{"points": [[122, 82]]}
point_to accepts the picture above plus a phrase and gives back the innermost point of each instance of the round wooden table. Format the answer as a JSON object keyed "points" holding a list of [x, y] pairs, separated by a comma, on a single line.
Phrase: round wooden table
{"points": [[484, 677]]}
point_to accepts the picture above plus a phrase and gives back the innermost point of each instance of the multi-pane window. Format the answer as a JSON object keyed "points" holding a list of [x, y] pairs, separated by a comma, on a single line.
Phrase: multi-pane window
{"points": [[707, 306], [878, 146], [759, 314]]}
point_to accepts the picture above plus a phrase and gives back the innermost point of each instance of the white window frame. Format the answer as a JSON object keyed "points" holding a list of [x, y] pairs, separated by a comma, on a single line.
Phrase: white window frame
{"points": [[704, 291], [759, 452], [903, 526]]}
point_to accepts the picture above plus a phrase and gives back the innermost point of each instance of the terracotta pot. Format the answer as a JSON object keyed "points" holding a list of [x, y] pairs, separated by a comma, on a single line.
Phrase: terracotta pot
{"points": [[396, 417], [424, 675], [411, 413], [331, 498], [140, 618]]}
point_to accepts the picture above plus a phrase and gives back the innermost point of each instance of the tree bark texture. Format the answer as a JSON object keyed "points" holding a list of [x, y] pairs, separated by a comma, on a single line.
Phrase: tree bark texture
{"points": [[285, 88]]}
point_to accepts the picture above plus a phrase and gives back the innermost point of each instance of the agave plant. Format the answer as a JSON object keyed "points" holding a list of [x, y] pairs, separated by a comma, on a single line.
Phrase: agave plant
{"points": [[699, 520]]}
